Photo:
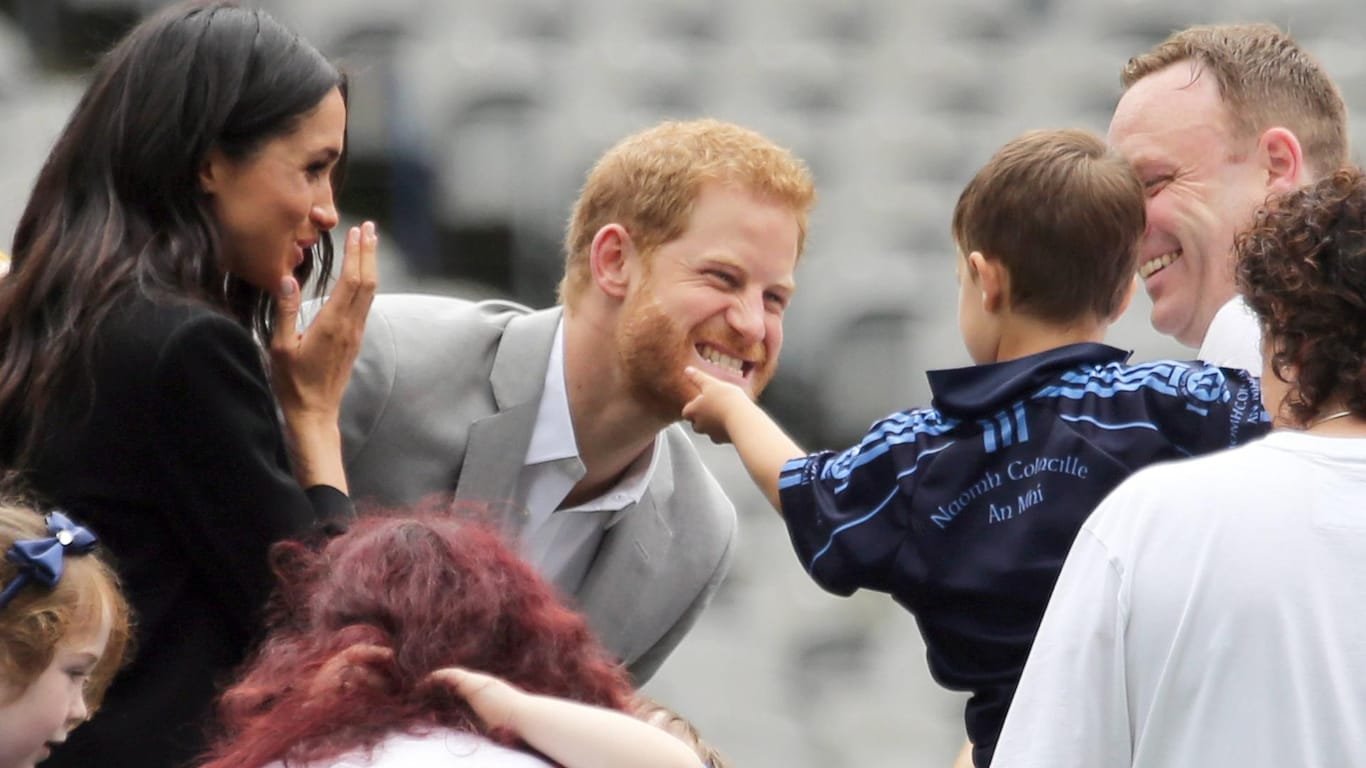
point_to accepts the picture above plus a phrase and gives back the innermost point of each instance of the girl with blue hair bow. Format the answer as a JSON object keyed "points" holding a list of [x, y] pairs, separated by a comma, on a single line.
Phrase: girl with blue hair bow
{"points": [[63, 631]]}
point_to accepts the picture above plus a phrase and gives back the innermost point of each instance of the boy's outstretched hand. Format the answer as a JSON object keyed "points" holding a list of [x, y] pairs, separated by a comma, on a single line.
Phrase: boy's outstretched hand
{"points": [[711, 412], [724, 412]]}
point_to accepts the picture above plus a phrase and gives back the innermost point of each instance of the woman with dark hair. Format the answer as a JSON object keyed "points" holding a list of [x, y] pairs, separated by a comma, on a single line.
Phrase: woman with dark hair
{"points": [[432, 592], [1211, 612], [186, 201]]}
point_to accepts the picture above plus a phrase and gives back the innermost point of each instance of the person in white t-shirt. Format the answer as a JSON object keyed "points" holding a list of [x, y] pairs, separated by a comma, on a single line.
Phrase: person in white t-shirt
{"points": [[1212, 612], [1215, 119], [344, 676]]}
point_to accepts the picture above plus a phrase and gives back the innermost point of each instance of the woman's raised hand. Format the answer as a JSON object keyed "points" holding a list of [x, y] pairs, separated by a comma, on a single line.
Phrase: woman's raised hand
{"points": [[309, 369]]}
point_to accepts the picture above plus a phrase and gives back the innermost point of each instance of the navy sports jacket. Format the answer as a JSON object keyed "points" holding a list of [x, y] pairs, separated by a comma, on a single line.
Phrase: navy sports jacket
{"points": [[964, 512]]}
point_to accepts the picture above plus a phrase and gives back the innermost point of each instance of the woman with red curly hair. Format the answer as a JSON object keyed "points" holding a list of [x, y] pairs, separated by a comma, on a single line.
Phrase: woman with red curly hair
{"points": [[403, 597], [1213, 611]]}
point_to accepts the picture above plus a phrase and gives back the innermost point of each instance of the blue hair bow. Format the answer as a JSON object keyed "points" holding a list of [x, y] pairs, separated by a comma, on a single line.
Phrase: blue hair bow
{"points": [[40, 560]]}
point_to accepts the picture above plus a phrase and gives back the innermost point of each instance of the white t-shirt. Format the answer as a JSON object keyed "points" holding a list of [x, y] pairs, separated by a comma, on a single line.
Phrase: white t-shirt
{"points": [[1234, 339], [1212, 612], [436, 749]]}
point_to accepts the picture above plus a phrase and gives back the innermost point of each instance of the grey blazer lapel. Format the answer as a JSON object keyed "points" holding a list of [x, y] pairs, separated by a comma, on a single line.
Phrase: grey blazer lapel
{"points": [[497, 443], [615, 594]]}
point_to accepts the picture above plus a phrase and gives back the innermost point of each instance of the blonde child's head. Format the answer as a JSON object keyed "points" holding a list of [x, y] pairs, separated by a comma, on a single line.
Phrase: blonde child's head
{"points": [[60, 645], [650, 711]]}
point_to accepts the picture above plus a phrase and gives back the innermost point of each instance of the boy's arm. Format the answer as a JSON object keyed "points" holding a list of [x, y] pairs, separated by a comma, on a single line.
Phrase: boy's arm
{"points": [[848, 531], [964, 759], [572, 734], [724, 412], [1213, 409]]}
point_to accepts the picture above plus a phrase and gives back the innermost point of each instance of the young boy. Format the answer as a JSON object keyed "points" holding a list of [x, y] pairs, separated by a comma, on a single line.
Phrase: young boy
{"points": [[964, 511]]}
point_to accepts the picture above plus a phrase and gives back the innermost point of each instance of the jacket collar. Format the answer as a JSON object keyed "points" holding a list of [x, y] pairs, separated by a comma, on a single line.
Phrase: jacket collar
{"points": [[517, 378], [969, 392]]}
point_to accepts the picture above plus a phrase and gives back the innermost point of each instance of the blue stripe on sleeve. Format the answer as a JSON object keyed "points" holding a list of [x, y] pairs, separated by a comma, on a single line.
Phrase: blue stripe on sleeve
{"points": [[1116, 427], [851, 524], [1102, 425]]}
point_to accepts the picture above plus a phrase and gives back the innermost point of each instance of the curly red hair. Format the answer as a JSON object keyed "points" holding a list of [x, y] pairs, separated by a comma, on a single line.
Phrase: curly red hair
{"points": [[1302, 270], [438, 591]]}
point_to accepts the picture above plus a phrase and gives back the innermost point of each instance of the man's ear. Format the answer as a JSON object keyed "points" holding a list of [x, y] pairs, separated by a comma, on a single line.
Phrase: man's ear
{"points": [[992, 279], [1282, 160], [612, 257]]}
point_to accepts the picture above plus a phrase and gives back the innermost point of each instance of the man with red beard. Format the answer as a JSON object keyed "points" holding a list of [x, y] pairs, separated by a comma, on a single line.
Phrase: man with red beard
{"points": [[680, 252]]}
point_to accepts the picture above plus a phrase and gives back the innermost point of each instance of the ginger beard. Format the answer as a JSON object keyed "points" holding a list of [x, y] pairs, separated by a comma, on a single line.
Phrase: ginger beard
{"points": [[654, 349]]}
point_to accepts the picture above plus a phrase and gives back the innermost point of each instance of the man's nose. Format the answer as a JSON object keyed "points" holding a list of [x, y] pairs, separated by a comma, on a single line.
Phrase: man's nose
{"points": [[746, 317]]}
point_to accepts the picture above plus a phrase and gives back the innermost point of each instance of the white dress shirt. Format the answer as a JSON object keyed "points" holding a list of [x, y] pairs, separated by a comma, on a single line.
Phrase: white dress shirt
{"points": [[561, 542], [1234, 339]]}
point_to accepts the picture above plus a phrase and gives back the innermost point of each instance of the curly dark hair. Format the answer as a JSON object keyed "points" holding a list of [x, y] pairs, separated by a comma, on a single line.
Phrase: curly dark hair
{"points": [[1302, 270]]}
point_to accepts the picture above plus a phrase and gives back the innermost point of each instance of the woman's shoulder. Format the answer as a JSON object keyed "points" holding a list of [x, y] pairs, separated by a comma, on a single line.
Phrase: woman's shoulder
{"points": [[1180, 491], [136, 309], [142, 325], [144, 336]]}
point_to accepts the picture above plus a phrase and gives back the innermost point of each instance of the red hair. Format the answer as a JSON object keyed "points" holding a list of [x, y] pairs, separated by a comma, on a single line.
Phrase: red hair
{"points": [[438, 591]]}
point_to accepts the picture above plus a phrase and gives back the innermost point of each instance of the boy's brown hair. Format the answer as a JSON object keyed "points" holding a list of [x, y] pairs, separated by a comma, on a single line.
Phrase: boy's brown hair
{"points": [[1064, 215], [1265, 79], [650, 711]]}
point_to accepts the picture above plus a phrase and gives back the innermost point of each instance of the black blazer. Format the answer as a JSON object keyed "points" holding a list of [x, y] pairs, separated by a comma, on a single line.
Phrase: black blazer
{"points": [[169, 447]]}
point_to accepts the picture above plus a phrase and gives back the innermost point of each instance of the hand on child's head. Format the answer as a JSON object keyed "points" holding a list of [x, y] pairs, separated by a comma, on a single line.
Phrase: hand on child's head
{"points": [[359, 665], [491, 698]]}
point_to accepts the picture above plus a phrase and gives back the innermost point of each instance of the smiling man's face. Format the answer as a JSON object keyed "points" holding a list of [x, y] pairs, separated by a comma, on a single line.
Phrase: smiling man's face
{"points": [[1203, 186], [713, 298]]}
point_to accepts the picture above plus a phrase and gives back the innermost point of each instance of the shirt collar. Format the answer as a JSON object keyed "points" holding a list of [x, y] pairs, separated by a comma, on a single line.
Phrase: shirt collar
{"points": [[971, 391], [552, 438], [630, 489]]}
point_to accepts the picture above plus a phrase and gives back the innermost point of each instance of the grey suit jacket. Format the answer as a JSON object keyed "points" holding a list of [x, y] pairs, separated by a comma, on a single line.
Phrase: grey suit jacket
{"points": [[444, 397]]}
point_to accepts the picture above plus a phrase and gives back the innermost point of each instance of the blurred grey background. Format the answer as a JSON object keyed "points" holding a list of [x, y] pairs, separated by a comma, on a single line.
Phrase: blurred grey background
{"points": [[473, 121]]}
